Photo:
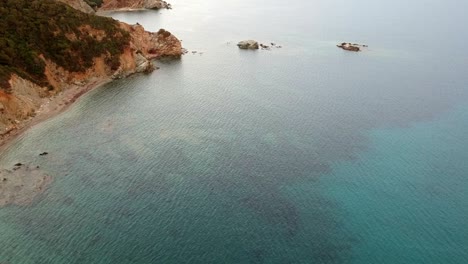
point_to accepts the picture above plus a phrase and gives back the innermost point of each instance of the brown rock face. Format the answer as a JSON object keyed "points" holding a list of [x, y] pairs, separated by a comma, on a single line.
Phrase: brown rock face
{"points": [[154, 45], [134, 4]]}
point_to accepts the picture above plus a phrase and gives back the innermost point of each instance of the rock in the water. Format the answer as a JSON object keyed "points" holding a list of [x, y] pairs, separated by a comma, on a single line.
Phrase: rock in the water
{"points": [[350, 47], [264, 47], [248, 44]]}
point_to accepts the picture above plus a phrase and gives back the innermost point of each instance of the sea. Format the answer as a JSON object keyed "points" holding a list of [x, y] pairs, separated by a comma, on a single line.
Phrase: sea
{"points": [[301, 154]]}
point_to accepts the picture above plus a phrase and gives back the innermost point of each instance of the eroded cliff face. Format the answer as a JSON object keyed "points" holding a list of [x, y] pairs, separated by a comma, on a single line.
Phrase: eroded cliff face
{"points": [[26, 98], [19, 105], [133, 4], [79, 5], [154, 45]]}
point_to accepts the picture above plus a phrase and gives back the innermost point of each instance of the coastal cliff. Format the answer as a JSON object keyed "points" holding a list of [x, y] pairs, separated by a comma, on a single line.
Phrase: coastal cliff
{"points": [[83, 51], [90, 6]]}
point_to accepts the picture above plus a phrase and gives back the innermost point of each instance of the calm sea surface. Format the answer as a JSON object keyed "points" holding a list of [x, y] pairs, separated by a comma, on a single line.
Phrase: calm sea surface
{"points": [[304, 154]]}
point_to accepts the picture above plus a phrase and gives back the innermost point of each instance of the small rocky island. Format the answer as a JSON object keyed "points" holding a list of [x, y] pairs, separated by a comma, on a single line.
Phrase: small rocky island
{"points": [[248, 44], [351, 47], [254, 45]]}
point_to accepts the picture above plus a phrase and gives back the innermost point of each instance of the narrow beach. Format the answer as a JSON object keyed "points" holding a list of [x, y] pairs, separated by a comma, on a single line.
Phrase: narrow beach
{"points": [[51, 107]]}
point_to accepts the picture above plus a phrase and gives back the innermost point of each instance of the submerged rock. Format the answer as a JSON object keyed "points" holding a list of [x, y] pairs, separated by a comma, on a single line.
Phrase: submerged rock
{"points": [[21, 185], [248, 44]]}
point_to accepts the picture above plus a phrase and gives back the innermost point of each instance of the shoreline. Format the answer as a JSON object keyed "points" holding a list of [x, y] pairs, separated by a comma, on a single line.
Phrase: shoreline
{"points": [[52, 107]]}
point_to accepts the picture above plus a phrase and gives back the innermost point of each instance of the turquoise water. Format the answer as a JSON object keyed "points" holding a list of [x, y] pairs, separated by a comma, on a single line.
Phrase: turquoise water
{"points": [[305, 154], [412, 207]]}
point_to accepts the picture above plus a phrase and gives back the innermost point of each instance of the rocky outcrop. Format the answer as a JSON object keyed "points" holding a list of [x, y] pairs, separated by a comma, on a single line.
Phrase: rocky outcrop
{"points": [[161, 44], [79, 5], [248, 44], [133, 4]]}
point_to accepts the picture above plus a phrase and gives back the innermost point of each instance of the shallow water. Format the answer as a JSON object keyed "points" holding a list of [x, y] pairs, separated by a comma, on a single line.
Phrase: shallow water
{"points": [[304, 154]]}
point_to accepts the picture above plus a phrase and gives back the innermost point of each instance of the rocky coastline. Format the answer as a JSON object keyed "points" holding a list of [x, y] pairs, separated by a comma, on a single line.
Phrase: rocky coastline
{"points": [[118, 5], [27, 103]]}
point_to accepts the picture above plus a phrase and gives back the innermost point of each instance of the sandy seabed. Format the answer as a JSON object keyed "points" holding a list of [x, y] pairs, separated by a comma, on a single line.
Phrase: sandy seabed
{"points": [[22, 184]]}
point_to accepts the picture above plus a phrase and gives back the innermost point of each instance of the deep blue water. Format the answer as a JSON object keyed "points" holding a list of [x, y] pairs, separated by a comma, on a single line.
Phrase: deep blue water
{"points": [[305, 154]]}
